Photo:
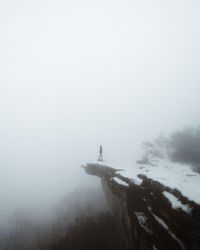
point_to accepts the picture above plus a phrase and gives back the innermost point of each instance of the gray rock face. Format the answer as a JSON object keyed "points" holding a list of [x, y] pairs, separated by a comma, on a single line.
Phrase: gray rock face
{"points": [[145, 217]]}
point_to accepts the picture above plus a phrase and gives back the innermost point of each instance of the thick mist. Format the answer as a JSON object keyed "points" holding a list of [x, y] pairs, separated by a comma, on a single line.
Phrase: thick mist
{"points": [[77, 74]]}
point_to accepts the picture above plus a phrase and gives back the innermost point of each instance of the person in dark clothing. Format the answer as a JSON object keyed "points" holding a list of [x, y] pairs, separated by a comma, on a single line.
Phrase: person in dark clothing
{"points": [[100, 153]]}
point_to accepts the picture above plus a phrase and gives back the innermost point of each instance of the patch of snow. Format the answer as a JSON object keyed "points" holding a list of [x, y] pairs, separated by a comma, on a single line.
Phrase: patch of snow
{"points": [[171, 174], [121, 182], [163, 224], [176, 203], [154, 248], [177, 239], [142, 219], [132, 173], [102, 163]]}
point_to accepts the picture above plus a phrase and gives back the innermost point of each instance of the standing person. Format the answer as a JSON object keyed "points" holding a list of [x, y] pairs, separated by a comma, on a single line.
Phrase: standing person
{"points": [[100, 153]]}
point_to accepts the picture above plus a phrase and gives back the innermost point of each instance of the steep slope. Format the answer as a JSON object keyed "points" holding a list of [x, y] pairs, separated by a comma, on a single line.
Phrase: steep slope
{"points": [[152, 214]]}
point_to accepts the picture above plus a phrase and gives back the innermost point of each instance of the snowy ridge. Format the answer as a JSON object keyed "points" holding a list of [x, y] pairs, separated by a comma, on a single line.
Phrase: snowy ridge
{"points": [[174, 175]]}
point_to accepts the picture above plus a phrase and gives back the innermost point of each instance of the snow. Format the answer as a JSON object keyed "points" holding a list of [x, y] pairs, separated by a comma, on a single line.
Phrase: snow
{"points": [[176, 203], [121, 182], [142, 219], [161, 222], [174, 175], [164, 225]]}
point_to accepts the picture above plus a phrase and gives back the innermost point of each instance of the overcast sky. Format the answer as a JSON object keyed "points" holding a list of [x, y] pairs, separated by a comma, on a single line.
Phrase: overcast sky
{"points": [[76, 74]]}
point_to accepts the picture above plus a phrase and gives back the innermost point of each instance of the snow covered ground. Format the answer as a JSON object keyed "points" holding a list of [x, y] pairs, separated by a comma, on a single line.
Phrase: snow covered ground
{"points": [[171, 174], [176, 203]]}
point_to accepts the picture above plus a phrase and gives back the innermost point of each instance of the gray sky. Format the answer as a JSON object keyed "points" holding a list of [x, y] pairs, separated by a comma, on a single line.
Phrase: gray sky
{"points": [[76, 74]]}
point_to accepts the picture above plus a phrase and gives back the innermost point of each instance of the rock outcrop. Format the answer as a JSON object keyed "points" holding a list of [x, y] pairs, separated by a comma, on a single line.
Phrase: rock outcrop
{"points": [[144, 216]]}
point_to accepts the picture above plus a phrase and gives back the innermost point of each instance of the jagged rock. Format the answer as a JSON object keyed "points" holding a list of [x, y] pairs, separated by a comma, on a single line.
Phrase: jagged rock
{"points": [[144, 216]]}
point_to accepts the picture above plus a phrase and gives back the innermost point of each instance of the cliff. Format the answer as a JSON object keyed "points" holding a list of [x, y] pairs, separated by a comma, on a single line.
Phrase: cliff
{"points": [[149, 214]]}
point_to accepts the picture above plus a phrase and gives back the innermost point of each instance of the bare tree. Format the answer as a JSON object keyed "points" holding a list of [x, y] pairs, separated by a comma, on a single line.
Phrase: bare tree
{"points": [[147, 151]]}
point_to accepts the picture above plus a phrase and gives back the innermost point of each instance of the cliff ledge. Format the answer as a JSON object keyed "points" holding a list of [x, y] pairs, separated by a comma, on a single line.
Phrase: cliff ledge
{"points": [[149, 214]]}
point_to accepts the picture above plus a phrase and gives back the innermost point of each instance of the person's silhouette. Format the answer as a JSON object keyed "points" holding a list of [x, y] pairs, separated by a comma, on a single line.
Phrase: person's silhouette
{"points": [[100, 153]]}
